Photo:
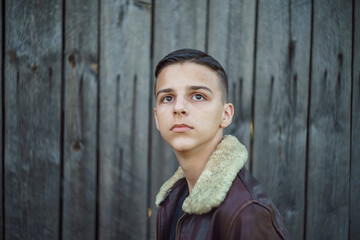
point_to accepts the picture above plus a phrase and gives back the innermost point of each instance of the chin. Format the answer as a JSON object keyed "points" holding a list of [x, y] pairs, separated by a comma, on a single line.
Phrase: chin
{"points": [[181, 144]]}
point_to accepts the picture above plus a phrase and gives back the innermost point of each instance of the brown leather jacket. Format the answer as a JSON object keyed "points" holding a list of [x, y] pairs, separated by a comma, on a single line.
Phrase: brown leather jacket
{"points": [[226, 203]]}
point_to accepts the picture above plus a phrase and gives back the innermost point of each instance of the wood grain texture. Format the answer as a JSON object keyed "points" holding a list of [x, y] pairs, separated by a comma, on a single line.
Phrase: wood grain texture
{"points": [[355, 131], [231, 42], [186, 29], [329, 123], [108, 92], [33, 118], [80, 127], [177, 24], [2, 225], [280, 118], [124, 111]]}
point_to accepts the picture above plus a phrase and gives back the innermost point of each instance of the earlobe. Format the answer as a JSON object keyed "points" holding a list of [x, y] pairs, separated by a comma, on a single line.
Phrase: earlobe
{"points": [[227, 115], [156, 120]]}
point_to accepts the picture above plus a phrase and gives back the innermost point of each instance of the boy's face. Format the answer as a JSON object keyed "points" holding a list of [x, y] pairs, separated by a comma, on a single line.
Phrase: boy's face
{"points": [[190, 111]]}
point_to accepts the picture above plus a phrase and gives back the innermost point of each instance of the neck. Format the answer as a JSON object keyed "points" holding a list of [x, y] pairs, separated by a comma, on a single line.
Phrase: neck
{"points": [[193, 161]]}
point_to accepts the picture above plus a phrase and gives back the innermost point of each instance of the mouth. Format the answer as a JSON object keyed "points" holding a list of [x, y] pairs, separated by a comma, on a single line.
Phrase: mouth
{"points": [[180, 128]]}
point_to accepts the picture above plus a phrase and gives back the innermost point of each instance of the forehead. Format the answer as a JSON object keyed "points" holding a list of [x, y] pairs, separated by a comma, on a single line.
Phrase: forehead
{"points": [[185, 74]]}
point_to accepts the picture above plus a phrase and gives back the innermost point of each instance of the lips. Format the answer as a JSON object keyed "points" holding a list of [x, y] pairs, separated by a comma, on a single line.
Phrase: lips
{"points": [[180, 128]]}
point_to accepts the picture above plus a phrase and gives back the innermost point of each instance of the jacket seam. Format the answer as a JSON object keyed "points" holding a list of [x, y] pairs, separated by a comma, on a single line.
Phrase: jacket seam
{"points": [[234, 218], [272, 219], [261, 205]]}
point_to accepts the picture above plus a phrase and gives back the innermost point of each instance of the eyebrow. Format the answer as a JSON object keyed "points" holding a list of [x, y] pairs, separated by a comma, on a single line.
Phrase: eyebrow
{"points": [[167, 90], [200, 87]]}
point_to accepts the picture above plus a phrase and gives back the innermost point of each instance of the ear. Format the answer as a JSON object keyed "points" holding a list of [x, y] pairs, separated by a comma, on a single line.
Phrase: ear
{"points": [[228, 114], [156, 120]]}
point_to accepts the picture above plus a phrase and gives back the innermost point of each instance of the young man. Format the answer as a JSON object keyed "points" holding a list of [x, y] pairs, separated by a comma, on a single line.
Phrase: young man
{"points": [[211, 195]]}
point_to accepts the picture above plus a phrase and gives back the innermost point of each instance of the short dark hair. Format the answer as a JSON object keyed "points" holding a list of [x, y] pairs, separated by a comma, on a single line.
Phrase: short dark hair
{"points": [[194, 56]]}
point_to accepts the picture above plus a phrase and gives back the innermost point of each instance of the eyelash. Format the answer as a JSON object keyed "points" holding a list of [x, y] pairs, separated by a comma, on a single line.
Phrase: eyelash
{"points": [[198, 94], [163, 99], [193, 98]]}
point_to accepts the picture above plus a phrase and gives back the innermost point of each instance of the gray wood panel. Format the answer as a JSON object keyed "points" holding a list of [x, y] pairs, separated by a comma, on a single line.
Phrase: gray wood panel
{"points": [[124, 113], [2, 224], [186, 29], [80, 119], [108, 105], [231, 41], [355, 131], [329, 124], [281, 100], [33, 53], [177, 24]]}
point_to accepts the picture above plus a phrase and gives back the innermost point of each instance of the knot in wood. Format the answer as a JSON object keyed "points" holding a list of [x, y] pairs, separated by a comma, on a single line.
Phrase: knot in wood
{"points": [[292, 45], [71, 59], [35, 68], [77, 146], [12, 56]]}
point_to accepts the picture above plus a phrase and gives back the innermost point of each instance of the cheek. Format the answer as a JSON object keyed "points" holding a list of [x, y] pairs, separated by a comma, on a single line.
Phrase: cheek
{"points": [[212, 116], [161, 117]]}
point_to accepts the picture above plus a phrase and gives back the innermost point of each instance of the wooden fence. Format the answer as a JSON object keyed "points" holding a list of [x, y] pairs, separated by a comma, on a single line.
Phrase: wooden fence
{"points": [[81, 157]]}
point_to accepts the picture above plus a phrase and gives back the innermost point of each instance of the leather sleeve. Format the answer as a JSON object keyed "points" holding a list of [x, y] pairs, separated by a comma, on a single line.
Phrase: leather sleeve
{"points": [[254, 222]]}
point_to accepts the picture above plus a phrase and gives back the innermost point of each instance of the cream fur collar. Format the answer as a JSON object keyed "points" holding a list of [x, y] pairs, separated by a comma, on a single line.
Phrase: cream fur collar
{"points": [[216, 179]]}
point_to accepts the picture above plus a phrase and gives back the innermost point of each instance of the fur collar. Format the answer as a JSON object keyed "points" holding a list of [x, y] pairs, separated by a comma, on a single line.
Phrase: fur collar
{"points": [[216, 179]]}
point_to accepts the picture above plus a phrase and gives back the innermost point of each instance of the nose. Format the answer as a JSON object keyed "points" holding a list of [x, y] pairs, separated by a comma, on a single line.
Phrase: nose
{"points": [[180, 107]]}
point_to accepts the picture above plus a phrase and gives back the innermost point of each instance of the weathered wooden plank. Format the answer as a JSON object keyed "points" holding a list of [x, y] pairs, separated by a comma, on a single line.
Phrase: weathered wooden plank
{"points": [[280, 117], [124, 113], [329, 123], [231, 42], [33, 118], [186, 29], [355, 131], [1, 126], [80, 126]]}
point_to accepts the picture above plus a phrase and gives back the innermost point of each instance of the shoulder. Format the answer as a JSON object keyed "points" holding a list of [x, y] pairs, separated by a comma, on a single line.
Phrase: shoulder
{"points": [[245, 189], [255, 221], [247, 204]]}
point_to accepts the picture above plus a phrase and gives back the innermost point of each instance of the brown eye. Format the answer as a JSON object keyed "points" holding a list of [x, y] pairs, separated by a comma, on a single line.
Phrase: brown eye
{"points": [[198, 97], [167, 99]]}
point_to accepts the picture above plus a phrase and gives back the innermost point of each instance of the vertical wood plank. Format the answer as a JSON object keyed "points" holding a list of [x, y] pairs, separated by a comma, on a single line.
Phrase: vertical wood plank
{"points": [[280, 117], [1, 125], [329, 123], [231, 42], [33, 45], [186, 29], [355, 133], [124, 111], [80, 127]]}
